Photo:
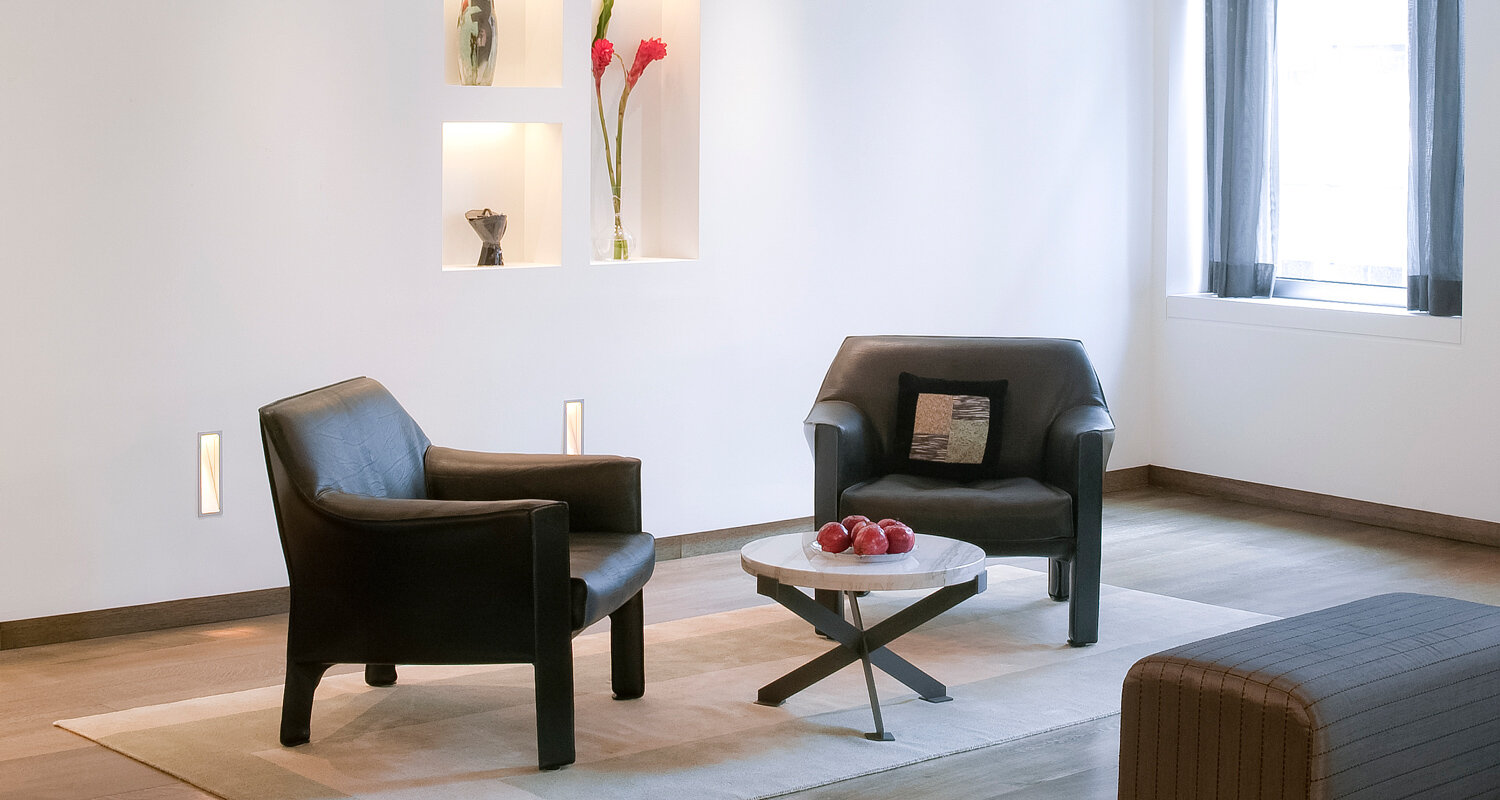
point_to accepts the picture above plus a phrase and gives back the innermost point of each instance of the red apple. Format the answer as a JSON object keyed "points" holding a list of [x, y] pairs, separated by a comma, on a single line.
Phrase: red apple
{"points": [[861, 526], [833, 538], [870, 541], [853, 520], [888, 522], [900, 537]]}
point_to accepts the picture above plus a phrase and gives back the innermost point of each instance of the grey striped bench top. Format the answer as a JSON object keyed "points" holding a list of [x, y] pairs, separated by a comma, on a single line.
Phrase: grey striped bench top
{"points": [[1392, 696]]}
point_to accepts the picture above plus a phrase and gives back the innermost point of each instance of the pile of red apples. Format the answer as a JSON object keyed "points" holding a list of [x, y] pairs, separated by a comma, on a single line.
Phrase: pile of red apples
{"points": [[856, 532]]}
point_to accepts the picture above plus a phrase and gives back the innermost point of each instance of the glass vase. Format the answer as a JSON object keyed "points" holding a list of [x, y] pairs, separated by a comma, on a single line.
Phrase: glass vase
{"points": [[476, 42], [621, 242], [614, 243]]}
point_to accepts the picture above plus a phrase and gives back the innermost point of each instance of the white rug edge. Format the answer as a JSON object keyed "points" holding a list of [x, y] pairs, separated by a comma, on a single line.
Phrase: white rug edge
{"points": [[136, 759]]}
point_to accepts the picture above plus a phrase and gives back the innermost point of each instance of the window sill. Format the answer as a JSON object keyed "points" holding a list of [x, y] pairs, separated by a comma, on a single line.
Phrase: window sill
{"points": [[1314, 315]]}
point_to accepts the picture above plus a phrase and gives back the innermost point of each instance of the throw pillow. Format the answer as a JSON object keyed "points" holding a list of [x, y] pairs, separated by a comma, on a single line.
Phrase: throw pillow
{"points": [[948, 429]]}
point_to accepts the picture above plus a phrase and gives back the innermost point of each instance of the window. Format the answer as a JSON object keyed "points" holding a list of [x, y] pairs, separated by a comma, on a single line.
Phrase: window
{"points": [[1317, 84], [1343, 147]]}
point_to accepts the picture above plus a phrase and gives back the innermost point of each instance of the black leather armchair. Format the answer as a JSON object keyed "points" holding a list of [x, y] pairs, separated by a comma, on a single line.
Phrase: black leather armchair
{"points": [[1056, 434], [400, 552]]}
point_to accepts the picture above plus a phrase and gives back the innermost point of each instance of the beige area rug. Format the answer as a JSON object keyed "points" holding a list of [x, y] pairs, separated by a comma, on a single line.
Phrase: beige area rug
{"points": [[468, 732]]}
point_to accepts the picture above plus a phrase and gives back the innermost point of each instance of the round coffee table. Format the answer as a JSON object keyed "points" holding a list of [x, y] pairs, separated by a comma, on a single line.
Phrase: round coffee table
{"points": [[782, 563]]}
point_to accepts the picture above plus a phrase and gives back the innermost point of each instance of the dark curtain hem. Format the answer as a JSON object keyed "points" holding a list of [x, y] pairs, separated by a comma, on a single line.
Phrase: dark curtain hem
{"points": [[1240, 280], [1439, 297], [1416, 293]]}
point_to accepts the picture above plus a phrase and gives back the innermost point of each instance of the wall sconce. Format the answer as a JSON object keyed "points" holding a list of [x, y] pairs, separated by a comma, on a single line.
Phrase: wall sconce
{"points": [[573, 427], [209, 477]]}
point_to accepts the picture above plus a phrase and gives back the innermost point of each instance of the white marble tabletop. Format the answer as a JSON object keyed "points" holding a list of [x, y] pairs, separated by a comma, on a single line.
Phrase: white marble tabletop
{"points": [[934, 562]]}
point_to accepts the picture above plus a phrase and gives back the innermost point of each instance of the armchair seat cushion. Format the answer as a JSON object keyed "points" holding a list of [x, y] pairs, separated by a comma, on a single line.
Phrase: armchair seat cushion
{"points": [[995, 513], [607, 569]]}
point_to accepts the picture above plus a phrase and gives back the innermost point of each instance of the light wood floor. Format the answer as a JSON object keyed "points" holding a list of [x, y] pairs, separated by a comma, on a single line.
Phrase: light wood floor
{"points": [[1214, 551]]}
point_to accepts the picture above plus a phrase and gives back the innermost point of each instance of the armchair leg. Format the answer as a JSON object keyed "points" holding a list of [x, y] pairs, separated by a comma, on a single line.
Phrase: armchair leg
{"points": [[1057, 578], [1083, 610], [554, 706], [302, 679], [380, 674], [627, 649], [831, 599]]}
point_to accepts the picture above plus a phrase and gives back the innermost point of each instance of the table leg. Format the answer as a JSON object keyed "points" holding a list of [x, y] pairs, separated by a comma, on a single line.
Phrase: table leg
{"points": [[880, 734], [832, 625], [869, 646], [927, 687]]}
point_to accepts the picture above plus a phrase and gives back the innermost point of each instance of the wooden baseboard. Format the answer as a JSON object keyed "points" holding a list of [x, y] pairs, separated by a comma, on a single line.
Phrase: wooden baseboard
{"points": [[1118, 480], [137, 619], [1403, 519], [241, 605], [724, 539]]}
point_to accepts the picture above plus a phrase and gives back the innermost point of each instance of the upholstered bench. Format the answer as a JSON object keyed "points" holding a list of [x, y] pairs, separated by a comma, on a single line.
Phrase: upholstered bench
{"points": [[1391, 696]]}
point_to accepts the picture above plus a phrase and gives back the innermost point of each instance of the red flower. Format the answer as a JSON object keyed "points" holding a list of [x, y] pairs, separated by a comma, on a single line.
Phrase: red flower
{"points": [[649, 50], [604, 52]]}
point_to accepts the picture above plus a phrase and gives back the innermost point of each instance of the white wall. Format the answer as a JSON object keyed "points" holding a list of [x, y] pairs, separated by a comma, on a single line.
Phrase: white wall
{"points": [[1389, 420], [201, 212]]}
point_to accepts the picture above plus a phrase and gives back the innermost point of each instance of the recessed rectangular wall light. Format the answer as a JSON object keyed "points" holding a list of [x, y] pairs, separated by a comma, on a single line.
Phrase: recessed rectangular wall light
{"points": [[210, 502], [573, 427]]}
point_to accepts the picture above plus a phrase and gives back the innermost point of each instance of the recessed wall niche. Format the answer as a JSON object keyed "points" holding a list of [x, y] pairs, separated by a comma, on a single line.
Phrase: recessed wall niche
{"points": [[511, 168], [528, 42], [659, 186]]}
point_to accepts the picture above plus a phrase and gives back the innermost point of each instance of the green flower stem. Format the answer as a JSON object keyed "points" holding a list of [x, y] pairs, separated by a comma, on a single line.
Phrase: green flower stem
{"points": [[621, 246], [619, 173], [608, 160], [614, 162]]}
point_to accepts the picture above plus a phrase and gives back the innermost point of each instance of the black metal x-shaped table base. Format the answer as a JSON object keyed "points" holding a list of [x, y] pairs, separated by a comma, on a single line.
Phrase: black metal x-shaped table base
{"points": [[855, 642]]}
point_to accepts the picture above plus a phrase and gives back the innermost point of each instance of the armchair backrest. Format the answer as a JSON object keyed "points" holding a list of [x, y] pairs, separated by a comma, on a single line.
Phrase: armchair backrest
{"points": [[1047, 377], [350, 437]]}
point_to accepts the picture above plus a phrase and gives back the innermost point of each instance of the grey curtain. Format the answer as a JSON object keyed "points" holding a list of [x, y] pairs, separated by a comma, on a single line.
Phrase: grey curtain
{"points": [[1240, 201], [1435, 189]]}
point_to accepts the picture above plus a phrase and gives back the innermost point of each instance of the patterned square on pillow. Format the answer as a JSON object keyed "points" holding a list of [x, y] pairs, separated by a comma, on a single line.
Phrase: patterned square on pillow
{"points": [[948, 429]]}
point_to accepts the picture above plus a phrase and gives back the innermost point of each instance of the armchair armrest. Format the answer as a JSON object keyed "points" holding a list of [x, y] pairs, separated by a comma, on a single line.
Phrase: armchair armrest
{"points": [[437, 581], [436, 532], [1078, 445], [603, 493], [377, 514], [844, 453]]}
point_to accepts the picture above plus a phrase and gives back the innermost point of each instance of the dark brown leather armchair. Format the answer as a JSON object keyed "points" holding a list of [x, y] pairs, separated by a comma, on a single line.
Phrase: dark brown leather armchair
{"points": [[400, 552], [1056, 434]]}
